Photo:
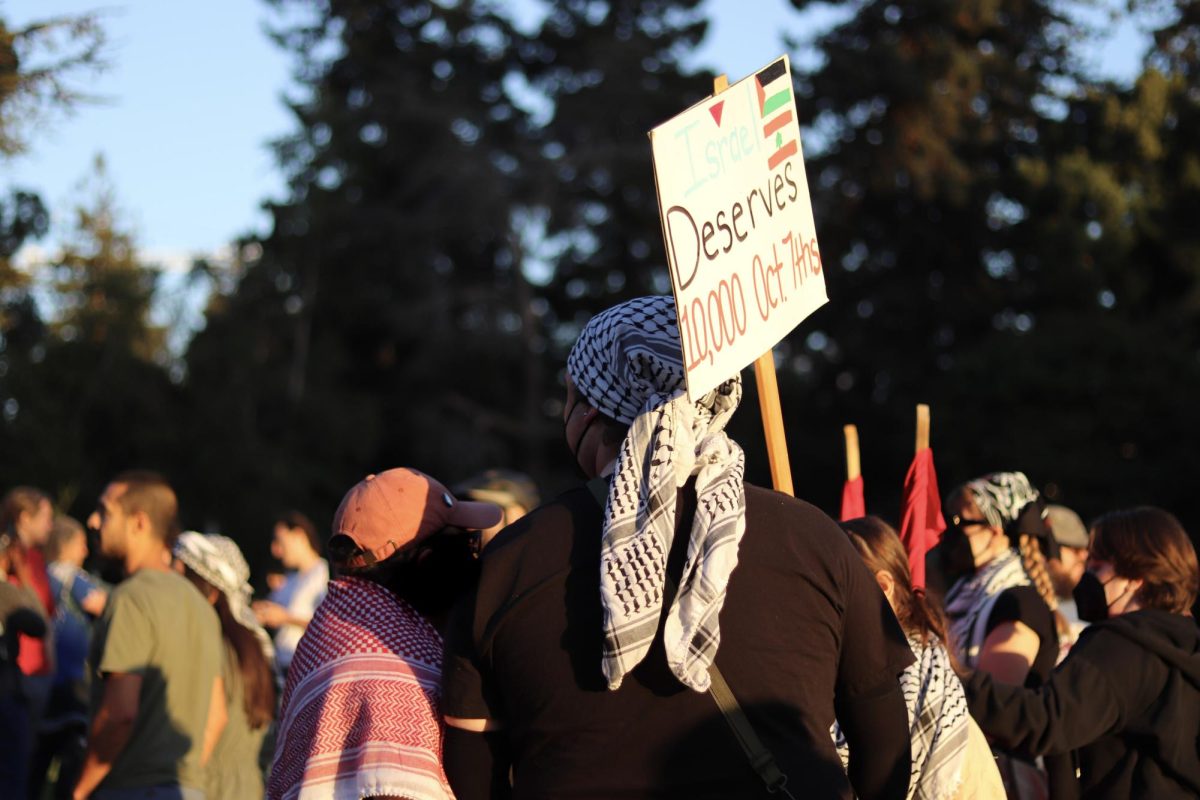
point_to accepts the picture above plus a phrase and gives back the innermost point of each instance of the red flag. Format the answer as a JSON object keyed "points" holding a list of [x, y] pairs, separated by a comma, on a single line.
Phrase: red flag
{"points": [[853, 504], [921, 520]]}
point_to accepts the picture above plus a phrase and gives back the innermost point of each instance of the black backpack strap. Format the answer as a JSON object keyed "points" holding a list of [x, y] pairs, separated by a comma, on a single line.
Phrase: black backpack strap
{"points": [[760, 758], [598, 486]]}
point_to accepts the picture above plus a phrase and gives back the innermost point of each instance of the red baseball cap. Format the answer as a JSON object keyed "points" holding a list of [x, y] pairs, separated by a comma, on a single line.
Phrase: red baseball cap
{"points": [[385, 512]]}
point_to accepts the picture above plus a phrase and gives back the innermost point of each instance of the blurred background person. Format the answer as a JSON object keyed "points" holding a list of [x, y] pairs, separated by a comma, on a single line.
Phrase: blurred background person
{"points": [[1126, 699], [1001, 608], [297, 545], [950, 757], [215, 565], [79, 598], [1065, 571], [21, 615], [156, 656], [515, 493], [27, 515]]}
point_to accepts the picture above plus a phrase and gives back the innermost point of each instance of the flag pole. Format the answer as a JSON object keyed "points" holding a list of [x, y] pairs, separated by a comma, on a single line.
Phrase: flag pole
{"points": [[922, 427], [853, 462], [768, 393]]}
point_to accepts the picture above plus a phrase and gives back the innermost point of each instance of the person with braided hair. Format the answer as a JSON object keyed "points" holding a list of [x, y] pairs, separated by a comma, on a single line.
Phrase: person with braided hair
{"points": [[1001, 608], [1125, 702]]}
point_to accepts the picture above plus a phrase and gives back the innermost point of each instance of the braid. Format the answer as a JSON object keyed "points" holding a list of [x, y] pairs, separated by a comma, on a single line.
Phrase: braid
{"points": [[1034, 563]]}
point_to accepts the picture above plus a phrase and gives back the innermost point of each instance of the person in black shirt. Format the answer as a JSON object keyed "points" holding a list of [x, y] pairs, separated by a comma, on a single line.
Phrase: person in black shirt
{"points": [[578, 669], [1126, 699], [1001, 610]]}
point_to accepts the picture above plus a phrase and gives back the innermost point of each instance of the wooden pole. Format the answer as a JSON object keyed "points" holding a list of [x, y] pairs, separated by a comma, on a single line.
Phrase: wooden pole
{"points": [[853, 462], [768, 393], [922, 427], [772, 414]]}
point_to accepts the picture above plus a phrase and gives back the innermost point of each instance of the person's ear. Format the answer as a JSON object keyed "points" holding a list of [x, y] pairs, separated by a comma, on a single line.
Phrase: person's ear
{"points": [[886, 582]]}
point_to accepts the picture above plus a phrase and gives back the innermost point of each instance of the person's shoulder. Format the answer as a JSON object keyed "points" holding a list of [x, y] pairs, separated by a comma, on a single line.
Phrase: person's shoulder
{"points": [[1147, 629], [160, 587], [795, 520], [548, 521], [1024, 599]]}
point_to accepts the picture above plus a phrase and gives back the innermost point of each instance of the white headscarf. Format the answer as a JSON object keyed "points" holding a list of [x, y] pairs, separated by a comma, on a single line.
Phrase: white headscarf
{"points": [[218, 560]]}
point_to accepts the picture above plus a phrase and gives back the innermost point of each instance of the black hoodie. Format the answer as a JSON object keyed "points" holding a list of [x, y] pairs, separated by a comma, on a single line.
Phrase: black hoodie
{"points": [[1126, 700]]}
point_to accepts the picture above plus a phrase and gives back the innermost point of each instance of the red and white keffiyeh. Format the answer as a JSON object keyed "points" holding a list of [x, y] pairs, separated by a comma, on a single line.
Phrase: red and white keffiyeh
{"points": [[360, 714]]}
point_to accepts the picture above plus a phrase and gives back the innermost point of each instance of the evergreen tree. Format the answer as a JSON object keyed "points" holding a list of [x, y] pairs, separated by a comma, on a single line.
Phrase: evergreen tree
{"points": [[88, 394], [611, 71], [380, 325]]}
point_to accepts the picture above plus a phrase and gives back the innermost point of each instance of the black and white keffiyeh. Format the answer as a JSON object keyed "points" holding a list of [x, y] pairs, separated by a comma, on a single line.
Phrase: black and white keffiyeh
{"points": [[628, 364], [218, 560], [1002, 496], [938, 723], [970, 601]]}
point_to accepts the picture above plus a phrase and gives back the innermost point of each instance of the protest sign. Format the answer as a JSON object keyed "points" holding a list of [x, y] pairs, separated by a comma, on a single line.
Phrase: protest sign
{"points": [[738, 225]]}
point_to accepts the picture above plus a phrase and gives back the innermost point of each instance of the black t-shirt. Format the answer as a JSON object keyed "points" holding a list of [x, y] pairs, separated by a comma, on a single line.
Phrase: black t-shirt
{"points": [[1024, 604], [803, 623]]}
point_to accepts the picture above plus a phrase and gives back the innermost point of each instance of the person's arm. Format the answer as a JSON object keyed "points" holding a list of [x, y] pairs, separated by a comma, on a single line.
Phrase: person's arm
{"points": [[876, 728], [90, 597], [274, 615], [112, 725], [1078, 705], [218, 718], [475, 750], [477, 759], [94, 602], [1008, 652]]}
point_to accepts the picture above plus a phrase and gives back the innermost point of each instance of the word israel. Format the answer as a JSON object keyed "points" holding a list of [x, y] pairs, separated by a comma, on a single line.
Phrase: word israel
{"points": [[737, 222]]}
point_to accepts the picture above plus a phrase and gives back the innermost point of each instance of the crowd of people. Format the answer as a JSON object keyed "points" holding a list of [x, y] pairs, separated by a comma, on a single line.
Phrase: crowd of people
{"points": [[663, 630]]}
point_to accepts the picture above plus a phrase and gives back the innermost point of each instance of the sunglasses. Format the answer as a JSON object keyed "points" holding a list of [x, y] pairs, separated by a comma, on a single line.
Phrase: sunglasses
{"points": [[961, 522]]}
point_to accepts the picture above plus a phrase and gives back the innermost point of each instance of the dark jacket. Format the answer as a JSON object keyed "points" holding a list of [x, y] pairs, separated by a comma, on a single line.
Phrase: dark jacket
{"points": [[1126, 700]]}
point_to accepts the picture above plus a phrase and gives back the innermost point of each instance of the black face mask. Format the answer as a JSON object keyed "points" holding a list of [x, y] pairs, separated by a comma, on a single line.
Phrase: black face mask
{"points": [[1090, 600], [579, 470], [957, 559]]}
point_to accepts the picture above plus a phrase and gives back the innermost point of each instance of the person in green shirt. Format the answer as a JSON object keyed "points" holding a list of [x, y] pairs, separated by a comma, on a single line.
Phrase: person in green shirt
{"points": [[215, 565], [156, 657]]}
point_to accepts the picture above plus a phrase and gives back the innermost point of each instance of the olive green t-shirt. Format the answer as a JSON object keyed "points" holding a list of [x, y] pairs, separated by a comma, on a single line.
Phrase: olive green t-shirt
{"points": [[157, 625], [233, 771]]}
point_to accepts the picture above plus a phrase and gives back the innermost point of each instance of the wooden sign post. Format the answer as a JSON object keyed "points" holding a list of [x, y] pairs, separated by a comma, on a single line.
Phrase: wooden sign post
{"points": [[741, 244], [769, 405]]}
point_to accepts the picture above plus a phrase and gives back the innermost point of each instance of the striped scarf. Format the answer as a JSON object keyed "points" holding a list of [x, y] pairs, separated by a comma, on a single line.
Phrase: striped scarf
{"points": [[628, 364], [360, 715], [970, 601], [938, 723]]}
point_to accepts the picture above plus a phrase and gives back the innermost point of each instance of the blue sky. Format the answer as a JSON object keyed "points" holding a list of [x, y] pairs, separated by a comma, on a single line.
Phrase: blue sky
{"points": [[194, 94]]}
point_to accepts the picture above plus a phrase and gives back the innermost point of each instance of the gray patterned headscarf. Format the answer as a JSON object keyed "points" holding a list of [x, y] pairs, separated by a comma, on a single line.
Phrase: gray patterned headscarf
{"points": [[628, 364], [1002, 496], [218, 560]]}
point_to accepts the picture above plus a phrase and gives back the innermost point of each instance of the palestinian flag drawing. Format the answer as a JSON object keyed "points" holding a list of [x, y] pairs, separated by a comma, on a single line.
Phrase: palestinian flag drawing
{"points": [[775, 108]]}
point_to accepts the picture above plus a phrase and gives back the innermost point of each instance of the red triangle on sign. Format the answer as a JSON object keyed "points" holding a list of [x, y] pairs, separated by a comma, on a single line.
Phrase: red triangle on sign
{"points": [[715, 109]]}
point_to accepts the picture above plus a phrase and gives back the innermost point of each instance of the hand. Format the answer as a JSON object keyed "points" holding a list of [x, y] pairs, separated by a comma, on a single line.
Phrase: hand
{"points": [[270, 614]]}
